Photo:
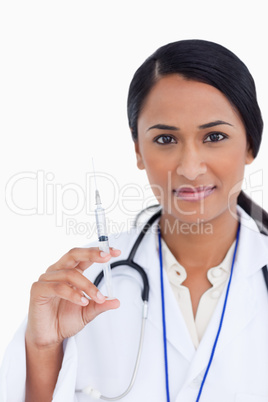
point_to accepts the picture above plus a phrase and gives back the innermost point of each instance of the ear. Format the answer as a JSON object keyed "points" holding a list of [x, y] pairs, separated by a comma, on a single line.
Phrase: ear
{"points": [[140, 163], [249, 157]]}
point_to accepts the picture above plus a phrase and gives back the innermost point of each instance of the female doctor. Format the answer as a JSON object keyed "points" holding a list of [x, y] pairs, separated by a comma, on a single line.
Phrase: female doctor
{"points": [[195, 123]]}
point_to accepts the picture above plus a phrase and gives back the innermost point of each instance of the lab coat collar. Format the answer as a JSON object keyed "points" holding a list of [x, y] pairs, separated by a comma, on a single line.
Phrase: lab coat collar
{"points": [[242, 301], [251, 239], [247, 263]]}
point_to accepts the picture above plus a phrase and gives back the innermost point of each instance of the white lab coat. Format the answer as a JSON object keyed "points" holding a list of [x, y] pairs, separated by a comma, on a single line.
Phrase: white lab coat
{"points": [[103, 353]]}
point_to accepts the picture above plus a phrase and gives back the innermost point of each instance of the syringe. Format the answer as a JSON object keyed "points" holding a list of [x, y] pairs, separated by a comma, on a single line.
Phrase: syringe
{"points": [[103, 243]]}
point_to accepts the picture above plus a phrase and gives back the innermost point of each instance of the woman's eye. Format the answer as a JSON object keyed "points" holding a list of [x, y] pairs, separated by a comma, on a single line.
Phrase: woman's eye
{"points": [[164, 139], [215, 137]]}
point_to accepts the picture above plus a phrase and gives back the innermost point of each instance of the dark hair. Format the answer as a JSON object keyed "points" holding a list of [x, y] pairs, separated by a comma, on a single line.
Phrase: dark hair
{"points": [[213, 64]]}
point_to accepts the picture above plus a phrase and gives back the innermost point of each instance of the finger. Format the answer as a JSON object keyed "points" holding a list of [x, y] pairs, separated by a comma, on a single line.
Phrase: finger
{"points": [[41, 291], [93, 310], [113, 253], [76, 279], [80, 258]]}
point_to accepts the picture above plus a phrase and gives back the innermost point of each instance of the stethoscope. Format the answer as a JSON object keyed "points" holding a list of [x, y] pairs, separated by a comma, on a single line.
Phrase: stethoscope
{"points": [[145, 298], [95, 394]]}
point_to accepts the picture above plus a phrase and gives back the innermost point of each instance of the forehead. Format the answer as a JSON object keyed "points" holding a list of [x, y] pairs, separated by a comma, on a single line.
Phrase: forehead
{"points": [[175, 98]]}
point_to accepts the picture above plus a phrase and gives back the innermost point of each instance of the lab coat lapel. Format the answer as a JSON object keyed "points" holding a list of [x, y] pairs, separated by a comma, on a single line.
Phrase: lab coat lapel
{"points": [[241, 306], [240, 310], [177, 332]]}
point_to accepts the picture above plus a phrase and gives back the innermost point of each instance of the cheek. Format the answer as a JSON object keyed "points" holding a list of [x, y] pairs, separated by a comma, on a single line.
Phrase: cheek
{"points": [[160, 171], [156, 164], [159, 175], [234, 163], [158, 178], [230, 173]]}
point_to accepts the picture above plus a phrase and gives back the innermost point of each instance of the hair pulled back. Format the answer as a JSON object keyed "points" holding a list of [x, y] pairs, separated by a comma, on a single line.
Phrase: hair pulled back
{"points": [[212, 64]]}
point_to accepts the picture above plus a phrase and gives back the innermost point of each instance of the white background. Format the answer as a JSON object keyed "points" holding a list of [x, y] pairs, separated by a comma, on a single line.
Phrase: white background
{"points": [[65, 69]]}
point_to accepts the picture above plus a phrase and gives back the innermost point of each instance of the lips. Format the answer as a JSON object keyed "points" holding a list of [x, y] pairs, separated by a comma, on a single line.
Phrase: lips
{"points": [[198, 193]]}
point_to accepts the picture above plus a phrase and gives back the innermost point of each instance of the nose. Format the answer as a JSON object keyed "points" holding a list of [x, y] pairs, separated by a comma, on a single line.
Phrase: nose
{"points": [[191, 163]]}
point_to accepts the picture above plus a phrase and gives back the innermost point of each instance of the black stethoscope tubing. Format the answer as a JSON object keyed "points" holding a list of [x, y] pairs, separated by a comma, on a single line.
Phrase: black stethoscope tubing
{"points": [[145, 291], [130, 259], [145, 297]]}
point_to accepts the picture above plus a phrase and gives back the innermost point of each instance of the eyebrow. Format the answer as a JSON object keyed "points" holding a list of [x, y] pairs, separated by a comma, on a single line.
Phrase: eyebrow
{"points": [[202, 127], [163, 127], [213, 124]]}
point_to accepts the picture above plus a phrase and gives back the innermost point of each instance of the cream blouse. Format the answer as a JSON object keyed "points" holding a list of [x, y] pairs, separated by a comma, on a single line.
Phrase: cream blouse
{"points": [[217, 276]]}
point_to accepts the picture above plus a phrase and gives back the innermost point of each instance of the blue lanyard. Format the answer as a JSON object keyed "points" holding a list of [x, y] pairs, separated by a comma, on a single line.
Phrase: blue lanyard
{"points": [[164, 317]]}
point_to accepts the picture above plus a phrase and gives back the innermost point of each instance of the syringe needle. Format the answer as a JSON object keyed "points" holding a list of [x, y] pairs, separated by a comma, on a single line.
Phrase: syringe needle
{"points": [[94, 174]]}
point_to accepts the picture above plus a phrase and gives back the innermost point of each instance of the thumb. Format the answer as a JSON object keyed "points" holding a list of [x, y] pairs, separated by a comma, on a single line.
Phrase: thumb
{"points": [[93, 309]]}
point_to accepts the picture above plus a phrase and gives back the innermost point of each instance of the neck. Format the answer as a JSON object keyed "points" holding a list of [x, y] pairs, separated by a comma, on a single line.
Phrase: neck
{"points": [[199, 245]]}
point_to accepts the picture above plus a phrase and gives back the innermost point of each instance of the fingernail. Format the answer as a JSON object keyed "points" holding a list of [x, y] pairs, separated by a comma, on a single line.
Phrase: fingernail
{"points": [[84, 300], [100, 296], [103, 254]]}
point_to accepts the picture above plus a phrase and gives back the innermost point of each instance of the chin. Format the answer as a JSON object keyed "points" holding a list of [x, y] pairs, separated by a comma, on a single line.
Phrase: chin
{"points": [[199, 214]]}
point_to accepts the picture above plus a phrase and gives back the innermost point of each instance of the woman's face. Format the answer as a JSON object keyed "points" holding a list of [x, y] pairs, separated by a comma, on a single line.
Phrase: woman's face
{"points": [[192, 143]]}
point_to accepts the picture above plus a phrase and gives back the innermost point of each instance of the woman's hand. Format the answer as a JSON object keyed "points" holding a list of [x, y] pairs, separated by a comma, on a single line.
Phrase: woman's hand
{"points": [[58, 308]]}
